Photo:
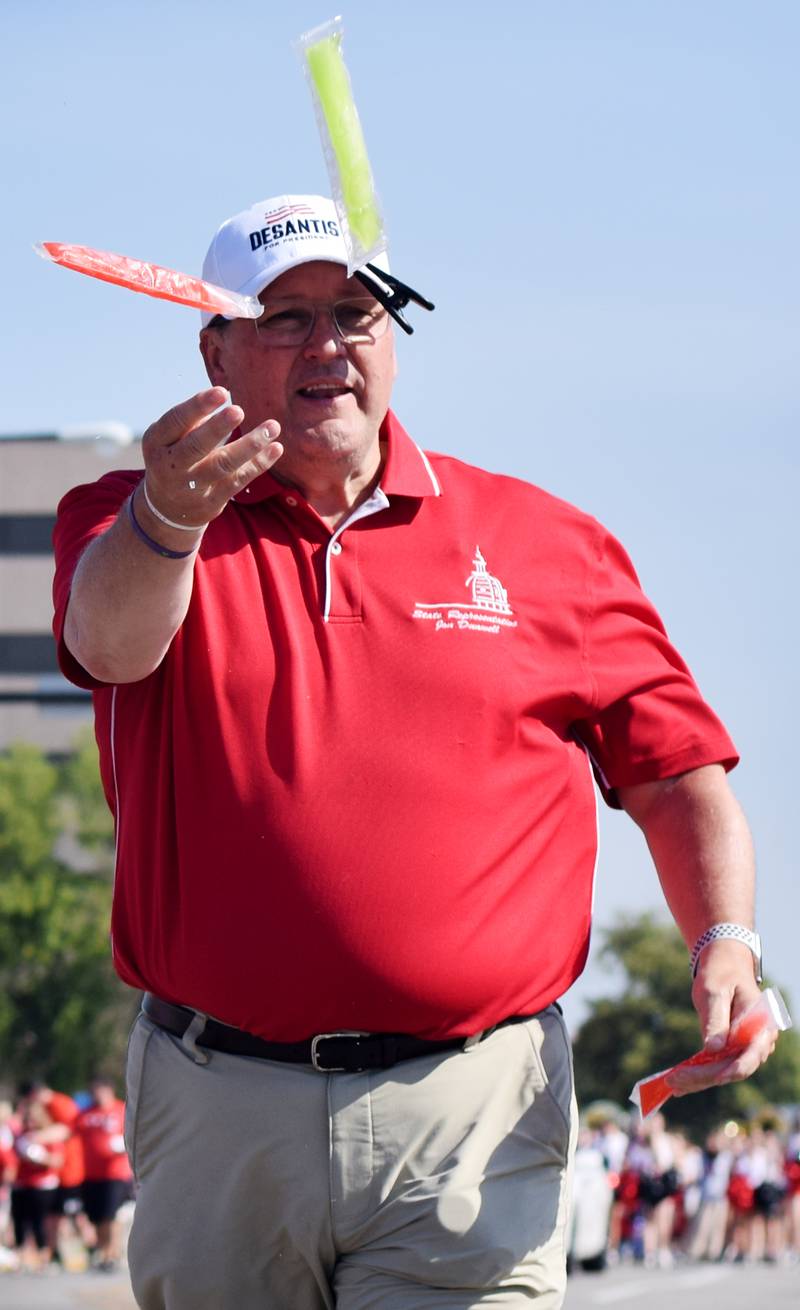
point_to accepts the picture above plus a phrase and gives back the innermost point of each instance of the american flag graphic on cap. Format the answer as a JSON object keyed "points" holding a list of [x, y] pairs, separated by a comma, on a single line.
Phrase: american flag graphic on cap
{"points": [[277, 215]]}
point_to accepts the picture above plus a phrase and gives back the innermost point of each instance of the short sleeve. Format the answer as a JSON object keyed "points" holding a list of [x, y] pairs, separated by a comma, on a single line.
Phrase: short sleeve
{"points": [[648, 719], [84, 513]]}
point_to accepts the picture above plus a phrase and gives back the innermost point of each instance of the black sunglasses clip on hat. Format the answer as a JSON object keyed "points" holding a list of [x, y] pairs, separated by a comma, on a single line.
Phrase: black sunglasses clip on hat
{"points": [[396, 298]]}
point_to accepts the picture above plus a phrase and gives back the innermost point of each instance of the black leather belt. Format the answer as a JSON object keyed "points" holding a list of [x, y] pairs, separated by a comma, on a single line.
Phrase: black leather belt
{"points": [[340, 1052]]}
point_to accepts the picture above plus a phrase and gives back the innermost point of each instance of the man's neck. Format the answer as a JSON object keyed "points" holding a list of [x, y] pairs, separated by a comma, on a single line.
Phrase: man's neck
{"points": [[332, 496]]}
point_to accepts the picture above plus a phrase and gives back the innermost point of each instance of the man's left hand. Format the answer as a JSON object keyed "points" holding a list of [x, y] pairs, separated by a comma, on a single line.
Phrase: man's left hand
{"points": [[724, 988]]}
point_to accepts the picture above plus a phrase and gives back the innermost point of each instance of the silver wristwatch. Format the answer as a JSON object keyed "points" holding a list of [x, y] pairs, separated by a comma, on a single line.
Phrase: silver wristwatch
{"points": [[735, 931]]}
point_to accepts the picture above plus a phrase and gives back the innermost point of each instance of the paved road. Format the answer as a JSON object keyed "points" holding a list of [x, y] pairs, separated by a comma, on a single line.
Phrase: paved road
{"points": [[89, 1291], [689, 1288], [692, 1287]]}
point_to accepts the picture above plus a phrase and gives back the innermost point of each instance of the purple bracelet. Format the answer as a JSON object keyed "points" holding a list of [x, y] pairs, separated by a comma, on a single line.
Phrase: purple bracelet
{"points": [[154, 545]]}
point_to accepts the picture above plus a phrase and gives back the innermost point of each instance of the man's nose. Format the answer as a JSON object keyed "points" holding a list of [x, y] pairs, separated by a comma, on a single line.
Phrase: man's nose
{"points": [[325, 338]]}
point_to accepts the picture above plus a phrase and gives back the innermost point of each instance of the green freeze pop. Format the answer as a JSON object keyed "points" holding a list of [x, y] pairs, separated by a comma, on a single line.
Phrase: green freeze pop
{"points": [[331, 81]]}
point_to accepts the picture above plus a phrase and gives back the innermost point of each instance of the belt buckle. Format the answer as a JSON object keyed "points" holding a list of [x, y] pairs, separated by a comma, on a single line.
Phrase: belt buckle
{"points": [[324, 1037]]}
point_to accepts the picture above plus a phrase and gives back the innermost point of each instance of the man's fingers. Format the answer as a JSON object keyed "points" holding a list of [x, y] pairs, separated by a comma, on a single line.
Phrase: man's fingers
{"points": [[715, 1008], [729, 1070], [683, 1081], [201, 490], [256, 444], [239, 462], [184, 418], [193, 468], [207, 436]]}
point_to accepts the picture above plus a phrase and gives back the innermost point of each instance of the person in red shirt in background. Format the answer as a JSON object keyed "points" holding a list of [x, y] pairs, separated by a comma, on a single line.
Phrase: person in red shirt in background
{"points": [[62, 1112], [70, 1232], [35, 1185], [8, 1169], [107, 1173]]}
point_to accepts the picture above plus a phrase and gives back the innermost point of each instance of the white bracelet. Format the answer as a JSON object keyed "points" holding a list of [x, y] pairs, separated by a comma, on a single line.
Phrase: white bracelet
{"points": [[738, 933], [162, 518]]}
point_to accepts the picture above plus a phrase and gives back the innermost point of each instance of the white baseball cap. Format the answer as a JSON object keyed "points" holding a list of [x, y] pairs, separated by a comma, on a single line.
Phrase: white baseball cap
{"points": [[252, 249]]}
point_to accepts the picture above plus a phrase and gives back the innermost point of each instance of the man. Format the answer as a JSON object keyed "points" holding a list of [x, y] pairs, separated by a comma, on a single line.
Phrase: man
{"points": [[346, 693], [107, 1180]]}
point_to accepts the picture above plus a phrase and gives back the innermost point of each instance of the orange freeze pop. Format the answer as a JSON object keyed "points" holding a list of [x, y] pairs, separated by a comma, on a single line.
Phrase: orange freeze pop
{"points": [[151, 279], [767, 1013]]}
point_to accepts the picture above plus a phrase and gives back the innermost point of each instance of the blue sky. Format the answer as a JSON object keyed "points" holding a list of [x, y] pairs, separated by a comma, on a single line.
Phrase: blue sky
{"points": [[603, 200]]}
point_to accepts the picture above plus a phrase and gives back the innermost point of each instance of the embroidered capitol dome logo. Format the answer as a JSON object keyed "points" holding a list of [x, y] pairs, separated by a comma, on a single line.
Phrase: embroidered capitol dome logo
{"points": [[489, 610], [488, 593]]}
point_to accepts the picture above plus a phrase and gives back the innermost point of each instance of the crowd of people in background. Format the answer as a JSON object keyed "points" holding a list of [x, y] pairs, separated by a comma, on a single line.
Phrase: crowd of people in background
{"points": [[64, 1179], [735, 1198], [66, 1185]]}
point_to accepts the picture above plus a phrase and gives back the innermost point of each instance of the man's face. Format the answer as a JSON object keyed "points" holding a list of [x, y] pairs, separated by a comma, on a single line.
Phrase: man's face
{"points": [[329, 398]]}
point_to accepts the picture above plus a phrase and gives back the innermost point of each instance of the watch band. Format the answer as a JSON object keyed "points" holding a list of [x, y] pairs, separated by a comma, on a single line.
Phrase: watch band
{"points": [[738, 933]]}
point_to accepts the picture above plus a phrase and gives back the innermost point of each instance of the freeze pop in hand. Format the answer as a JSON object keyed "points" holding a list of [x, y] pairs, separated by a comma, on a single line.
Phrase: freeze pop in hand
{"points": [[767, 1014], [151, 279], [343, 144]]}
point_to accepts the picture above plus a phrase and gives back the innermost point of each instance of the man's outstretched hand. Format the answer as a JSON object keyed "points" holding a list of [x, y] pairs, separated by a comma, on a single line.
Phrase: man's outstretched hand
{"points": [[192, 468]]}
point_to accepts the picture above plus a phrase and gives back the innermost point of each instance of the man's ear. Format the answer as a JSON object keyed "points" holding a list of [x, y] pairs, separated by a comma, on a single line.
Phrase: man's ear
{"points": [[212, 352]]}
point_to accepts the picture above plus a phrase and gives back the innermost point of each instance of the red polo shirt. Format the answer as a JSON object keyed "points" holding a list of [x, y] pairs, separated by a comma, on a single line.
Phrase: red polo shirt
{"points": [[355, 793]]}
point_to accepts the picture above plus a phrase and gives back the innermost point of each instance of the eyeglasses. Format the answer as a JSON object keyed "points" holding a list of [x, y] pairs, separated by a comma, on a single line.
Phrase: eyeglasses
{"points": [[287, 322], [389, 297]]}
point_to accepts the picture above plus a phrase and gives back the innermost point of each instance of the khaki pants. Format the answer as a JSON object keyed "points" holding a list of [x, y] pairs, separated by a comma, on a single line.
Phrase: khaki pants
{"points": [[441, 1182]]}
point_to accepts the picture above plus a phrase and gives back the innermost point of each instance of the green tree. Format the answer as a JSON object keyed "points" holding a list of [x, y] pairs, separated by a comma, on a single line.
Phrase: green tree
{"points": [[652, 1025], [86, 813], [63, 1013]]}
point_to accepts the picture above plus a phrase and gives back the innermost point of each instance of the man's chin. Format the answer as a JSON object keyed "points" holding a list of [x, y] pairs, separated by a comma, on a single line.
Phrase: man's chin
{"points": [[331, 433]]}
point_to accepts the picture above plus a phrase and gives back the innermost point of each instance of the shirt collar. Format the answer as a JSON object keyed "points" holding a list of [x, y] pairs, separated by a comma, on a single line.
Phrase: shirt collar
{"points": [[406, 469]]}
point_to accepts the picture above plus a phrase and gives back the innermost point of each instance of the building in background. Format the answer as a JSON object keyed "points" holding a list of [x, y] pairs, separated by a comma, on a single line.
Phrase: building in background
{"points": [[37, 704]]}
